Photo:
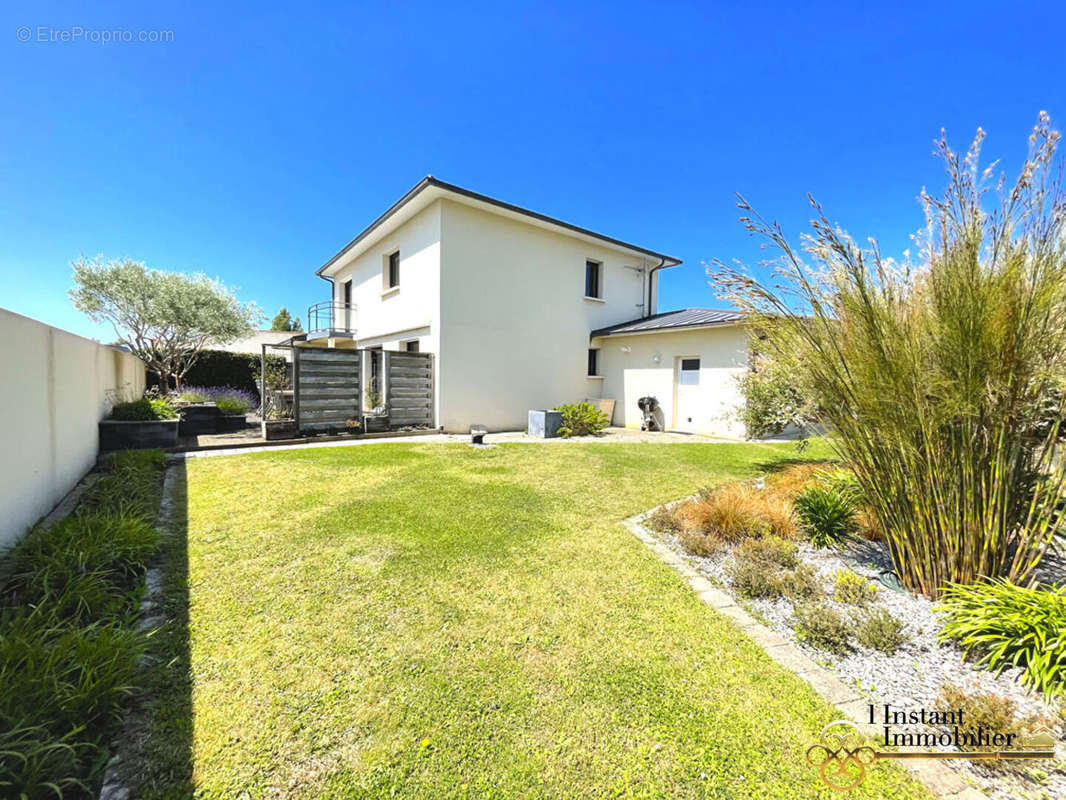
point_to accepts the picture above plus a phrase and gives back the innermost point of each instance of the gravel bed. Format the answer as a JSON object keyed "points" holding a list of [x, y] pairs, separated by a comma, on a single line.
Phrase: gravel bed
{"points": [[913, 676]]}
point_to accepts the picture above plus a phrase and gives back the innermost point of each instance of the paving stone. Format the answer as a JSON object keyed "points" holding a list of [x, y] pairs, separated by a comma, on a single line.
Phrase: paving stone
{"points": [[716, 598], [739, 616], [114, 792], [795, 660]]}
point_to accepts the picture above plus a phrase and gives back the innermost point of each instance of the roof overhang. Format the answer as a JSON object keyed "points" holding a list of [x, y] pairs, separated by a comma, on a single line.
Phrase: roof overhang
{"points": [[429, 190], [672, 329]]}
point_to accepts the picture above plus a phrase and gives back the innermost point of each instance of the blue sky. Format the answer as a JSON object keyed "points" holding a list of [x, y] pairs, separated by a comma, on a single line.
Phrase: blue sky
{"points": [[264, 136]]}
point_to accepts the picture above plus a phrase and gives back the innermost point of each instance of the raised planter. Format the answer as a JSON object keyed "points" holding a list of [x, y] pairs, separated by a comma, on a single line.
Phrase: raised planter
{"points": [[279, 429], [228, 423], [376, 424], [197, 418], [138, 435], [545, 424]]}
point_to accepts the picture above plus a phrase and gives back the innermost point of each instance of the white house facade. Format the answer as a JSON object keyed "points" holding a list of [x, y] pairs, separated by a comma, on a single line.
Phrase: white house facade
{"points": [[522, 311]]}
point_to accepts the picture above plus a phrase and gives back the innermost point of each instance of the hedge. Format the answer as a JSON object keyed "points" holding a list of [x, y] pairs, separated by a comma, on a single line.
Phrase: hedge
{"points": [[220, 368]]}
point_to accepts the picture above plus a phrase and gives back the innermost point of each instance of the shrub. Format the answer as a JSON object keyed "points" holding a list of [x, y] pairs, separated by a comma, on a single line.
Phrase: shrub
{"points": [[67, 653], [37, 763], [756, 579], [993, 712], [823, 627], [772, 400], [193, 394], [230, 401], [801, 583], [940, 377], [1005, 625], [827, 514], [773, 551], [143, 410], [64, 676], [879, 630], [738, 511], [794, 479], [84, 566], [663, 520], [581, 419], [698, 543], [867, 525], [131, 485], [764, 568], [237, 370], [853, 589]]}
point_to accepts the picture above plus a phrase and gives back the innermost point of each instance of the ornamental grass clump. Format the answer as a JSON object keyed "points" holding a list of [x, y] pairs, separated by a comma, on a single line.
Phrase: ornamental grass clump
{"points": [[738, 511], [940, 377], [1002, 625]]}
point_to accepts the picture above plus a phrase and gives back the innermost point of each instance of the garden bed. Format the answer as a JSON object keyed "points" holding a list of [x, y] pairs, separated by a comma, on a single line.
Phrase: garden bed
{"points": [[912, 676]]}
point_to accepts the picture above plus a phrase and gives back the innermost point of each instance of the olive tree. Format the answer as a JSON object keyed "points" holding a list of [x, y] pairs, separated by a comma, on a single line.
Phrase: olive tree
{"points": [[165, 318]]}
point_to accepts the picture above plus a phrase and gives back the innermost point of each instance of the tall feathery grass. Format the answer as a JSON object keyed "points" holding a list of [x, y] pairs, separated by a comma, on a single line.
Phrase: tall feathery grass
{"points": [[940, 376]]}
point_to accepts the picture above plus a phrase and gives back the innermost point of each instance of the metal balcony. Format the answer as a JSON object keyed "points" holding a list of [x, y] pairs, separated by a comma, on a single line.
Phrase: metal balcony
{"points": [[331, 320]]}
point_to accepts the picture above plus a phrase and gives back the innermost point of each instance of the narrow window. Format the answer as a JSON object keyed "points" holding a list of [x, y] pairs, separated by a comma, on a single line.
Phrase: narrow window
{"points": [[392, 276], [690, 372], [594, 358], [411, 346], [592, 279]]}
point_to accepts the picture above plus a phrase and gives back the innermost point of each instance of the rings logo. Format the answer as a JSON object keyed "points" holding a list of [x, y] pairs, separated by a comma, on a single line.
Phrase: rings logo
{"points": [[842, 756]]}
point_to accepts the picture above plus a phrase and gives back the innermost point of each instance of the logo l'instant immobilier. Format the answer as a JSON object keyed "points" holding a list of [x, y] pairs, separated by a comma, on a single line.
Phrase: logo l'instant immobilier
{"points": [[957, 735], [842, 753]]}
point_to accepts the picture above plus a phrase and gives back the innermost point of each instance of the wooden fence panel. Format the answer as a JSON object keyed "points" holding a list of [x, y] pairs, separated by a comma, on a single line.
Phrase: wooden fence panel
{"points": [[409, 388], [328, 388]]}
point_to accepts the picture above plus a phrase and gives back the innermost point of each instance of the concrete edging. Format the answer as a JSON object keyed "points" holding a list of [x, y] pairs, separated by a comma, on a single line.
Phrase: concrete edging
{"points": [[941, 780]]}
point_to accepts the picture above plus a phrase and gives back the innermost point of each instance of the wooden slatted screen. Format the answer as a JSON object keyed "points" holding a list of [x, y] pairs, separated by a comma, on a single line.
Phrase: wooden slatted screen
{"points": [[409, 388], [328, 389]]}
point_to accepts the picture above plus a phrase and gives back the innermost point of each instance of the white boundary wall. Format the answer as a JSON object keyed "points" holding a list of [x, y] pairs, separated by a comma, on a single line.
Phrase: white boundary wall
{"points": [[53, 390]]}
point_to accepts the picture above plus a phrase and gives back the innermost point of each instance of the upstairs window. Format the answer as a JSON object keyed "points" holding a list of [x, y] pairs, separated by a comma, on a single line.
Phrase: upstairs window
{"points": [[392, 270], [594, 363], [593, 279], [411, 346]]}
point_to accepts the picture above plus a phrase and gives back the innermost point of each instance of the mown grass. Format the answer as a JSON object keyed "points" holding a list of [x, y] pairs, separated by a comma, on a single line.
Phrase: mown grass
{"points": [[432, 621]]}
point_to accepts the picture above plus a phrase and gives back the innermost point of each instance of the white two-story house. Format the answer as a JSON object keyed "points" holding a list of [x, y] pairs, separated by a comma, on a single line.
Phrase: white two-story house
{"points": [[522, 311]]}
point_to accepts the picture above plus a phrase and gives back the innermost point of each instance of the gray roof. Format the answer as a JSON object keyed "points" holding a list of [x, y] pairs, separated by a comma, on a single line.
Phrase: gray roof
{"points": [[670, 320], [429, 180]]}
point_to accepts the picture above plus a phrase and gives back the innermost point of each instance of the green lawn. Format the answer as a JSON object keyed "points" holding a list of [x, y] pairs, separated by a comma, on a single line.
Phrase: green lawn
{"points": [[431, 621]]}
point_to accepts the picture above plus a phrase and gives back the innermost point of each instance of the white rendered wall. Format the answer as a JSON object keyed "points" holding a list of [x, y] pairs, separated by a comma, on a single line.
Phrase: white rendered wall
{"points": [[514, 327], [649, 368], [389, 318], [54, 389]]}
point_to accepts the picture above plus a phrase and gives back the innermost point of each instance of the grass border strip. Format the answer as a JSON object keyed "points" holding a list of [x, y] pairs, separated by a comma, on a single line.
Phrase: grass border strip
{"points": [[940, 779], [114, 784]]}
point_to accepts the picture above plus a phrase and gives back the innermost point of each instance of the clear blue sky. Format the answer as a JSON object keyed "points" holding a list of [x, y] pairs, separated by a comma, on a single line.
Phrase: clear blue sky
{"points": [[264, 136]]}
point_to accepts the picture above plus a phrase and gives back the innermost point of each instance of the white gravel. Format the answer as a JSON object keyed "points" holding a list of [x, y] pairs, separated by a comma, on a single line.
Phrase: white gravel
{"points": [[913, 676]]}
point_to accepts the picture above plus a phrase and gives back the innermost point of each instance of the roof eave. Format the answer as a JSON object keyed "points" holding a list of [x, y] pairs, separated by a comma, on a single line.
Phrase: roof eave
{"points": [[429, 180], [603, 334]]}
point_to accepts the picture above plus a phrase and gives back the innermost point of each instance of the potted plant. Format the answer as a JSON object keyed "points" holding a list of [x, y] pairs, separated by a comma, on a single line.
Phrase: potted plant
{"points": [[276, 422], [376, 420], [233, 407], [144, 423], [197, 410]]}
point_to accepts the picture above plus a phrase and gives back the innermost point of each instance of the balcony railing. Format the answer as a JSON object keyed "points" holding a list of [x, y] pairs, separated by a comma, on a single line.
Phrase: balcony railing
{"points": [[331, 319]]}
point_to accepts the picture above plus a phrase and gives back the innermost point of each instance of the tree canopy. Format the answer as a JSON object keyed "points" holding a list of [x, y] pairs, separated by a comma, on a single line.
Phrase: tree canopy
{"points": [[284, 321], [165, 318]]}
